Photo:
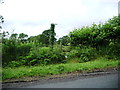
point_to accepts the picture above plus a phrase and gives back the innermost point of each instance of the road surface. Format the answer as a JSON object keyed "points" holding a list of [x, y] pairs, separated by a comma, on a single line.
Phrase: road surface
{"points": [[106, 78], [105, 81]]}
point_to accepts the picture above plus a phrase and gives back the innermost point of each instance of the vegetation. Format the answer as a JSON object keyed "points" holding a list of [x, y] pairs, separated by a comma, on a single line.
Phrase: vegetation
{"points": [[43, 54], [97, 35], [65, 40], [104, 38], [18, 72]]}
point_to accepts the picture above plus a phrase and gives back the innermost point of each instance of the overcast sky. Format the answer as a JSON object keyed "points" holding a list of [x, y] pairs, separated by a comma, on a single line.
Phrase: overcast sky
{"points": [[32, 17]]}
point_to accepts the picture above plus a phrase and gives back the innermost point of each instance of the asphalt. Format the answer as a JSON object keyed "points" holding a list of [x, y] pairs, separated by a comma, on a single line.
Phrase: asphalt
{"points": [[101, 79], [106, 81]]}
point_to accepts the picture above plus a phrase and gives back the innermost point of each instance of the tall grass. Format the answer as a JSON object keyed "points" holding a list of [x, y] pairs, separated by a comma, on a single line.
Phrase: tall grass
{"points": [[19, 72]]}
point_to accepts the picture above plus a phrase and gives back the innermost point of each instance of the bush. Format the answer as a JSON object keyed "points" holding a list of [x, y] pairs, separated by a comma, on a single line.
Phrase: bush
{"points": [[9, 52], [84, 54], [73, 53], [111, 51], [14, 64], [24, 49], [97, 35], [14, 51], [44, 55]]}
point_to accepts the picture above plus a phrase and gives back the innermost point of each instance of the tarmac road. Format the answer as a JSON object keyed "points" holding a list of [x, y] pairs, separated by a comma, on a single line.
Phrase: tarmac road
{"points": [[106, 78], [105, 81]]}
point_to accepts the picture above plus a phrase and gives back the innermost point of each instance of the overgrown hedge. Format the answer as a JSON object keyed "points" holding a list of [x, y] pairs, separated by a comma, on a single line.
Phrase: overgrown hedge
{"points": [[97, 35], [105, 38], [86, 44], [12, 51], [40, 56], [83, 54]]}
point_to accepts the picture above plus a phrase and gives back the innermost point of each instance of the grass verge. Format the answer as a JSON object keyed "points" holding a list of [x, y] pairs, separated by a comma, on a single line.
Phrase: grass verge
{"points": [[9, 73]]}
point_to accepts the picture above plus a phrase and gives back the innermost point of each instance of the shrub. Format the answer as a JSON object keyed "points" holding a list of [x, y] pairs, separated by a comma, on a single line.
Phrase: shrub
{"points": [[8, 52], [24, 49], [14, 64], [97, 35], [111, 51], [73, 53], [44, 55], [14, 51], [84, 54]]}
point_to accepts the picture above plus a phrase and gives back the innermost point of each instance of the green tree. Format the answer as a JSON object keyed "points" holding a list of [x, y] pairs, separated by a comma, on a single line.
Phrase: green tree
{"points": [[52, 34], [97, 35], [43, 38], [32, 39], [14, 36], [47, 38], [22, 37], [64, 40], [3, 36]]}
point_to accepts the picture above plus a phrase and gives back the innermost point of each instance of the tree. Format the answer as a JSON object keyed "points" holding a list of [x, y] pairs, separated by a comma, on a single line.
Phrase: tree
{"points": [[14, 36], [22, 37], [32, 39], [1, 21], [43, 38], [47, 38], [97, 35], [52, 35], [3, 35], [64, 40]]}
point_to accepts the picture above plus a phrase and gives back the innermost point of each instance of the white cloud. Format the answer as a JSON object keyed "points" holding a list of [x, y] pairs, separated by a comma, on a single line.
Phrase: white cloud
{"points": [[34, 16]]}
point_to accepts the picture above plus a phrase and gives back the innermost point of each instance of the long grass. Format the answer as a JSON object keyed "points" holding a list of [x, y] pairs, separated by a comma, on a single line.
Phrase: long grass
{"points": [[8, 73]]}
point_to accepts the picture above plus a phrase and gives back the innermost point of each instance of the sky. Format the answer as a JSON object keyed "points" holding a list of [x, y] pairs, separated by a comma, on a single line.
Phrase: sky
{"points": [[32, 17]]}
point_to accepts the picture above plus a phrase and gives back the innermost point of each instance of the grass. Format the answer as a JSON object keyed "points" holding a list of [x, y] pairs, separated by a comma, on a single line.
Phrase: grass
{"points": [[23, 71]]}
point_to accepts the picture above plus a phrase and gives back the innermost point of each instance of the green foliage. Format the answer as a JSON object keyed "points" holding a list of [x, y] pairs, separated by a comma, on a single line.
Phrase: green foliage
{"points": [[23, 71], [12, 51], [22, 37], [52, 35], [97, 35], [84, 54], [8, 51], [66, 48], [60, 69], [44, 55], [65, 40], [24, 49], [14, 64], [103, 37], [85, 45], [111, 51], [43, 38], [14, 36]]}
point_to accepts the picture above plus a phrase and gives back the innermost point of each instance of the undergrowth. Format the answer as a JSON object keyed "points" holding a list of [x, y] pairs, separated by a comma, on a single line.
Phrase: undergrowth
{"points": [[18, 72]]}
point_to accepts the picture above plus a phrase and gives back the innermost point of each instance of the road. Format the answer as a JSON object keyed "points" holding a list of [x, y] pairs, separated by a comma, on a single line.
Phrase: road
{"points": [[104, 81]]}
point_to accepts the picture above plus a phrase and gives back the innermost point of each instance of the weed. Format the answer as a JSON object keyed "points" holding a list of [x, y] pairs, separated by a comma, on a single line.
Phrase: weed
{"points": [[57, 68]]}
